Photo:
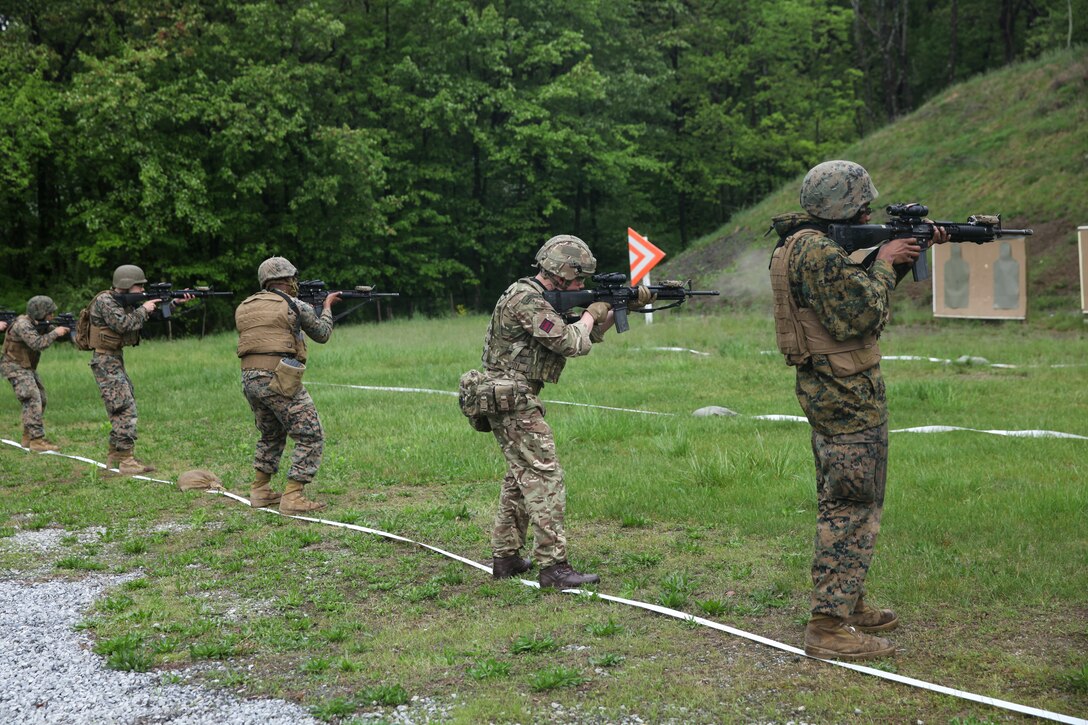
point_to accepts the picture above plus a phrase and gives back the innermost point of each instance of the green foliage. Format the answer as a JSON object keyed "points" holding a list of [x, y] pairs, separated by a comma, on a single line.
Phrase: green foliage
{"points": [[554, 677], [431, 147], [526, 644]]}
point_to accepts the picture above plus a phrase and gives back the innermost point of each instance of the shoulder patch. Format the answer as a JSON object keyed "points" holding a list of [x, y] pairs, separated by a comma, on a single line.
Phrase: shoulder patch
{"points": [[546, 325]]}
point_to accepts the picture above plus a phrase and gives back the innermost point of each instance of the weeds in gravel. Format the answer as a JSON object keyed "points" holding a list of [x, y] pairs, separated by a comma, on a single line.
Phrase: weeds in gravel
{"points": [[555, 677], [526, 644]]}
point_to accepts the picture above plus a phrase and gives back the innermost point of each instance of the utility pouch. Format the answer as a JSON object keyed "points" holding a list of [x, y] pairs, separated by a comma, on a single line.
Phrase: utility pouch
{"points": [[468, 397], [287, 377], [852, 362]]}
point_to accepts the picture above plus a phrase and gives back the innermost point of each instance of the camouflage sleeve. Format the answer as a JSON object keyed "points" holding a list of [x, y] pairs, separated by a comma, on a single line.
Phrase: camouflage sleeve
{"points": [[24, 330], [848, 298], [534, 315], [110, 312], [319, 328]]}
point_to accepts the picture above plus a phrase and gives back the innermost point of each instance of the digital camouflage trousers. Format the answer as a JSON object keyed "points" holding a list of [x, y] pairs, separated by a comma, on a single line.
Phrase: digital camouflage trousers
{"points": [[31, 394], [277, 417], [119, 398], [851, 472], [532, 491]]}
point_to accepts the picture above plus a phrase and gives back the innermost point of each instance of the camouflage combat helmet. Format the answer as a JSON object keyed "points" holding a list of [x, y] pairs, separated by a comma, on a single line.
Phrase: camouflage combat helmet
{"points": [[39, 307], [836, 190], [275, 268], [567, 257], [128, 275]]}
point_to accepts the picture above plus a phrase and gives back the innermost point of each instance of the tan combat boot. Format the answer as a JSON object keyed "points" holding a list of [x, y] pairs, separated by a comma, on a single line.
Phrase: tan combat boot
{"points": [[126, 463], [831, 638], [260, 493], [293, 502], [867, 619], [38, 445]]}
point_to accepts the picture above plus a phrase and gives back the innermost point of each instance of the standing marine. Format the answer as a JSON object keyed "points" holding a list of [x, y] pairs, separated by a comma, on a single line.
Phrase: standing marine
{"points": [[22, 350], [115, 325], [272, 325], [527, 345], [829, 312]]}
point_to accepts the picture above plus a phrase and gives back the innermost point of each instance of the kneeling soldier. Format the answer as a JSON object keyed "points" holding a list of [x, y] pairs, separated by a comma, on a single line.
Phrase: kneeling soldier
{"points": [[272, 347], [22, 350]]}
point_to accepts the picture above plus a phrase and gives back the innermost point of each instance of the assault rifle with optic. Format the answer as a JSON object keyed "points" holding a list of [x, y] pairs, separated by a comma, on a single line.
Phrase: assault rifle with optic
{"points": [[908, 220], [62, 319], [314, 291], [65, 319], [612, 288], [165, 292]]}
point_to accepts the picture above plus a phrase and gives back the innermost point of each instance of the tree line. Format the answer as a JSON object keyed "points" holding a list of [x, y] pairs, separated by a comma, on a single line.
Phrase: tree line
{"points": [[430, 146]]}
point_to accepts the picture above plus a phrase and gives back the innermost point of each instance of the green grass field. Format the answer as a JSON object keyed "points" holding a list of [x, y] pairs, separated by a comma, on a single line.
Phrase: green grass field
{"points": [[983, 551]]}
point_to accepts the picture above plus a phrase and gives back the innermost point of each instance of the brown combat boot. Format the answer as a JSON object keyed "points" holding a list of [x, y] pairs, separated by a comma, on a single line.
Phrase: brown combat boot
{"points": [[830, 638], [867, 619], [563, 576], [39, 445], [293, 502], [126, 463], [260, 493], [504, 567]]}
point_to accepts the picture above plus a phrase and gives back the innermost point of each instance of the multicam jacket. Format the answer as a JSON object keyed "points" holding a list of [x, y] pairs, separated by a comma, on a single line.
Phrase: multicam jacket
{"points": [[851, 300], [527, 339]]}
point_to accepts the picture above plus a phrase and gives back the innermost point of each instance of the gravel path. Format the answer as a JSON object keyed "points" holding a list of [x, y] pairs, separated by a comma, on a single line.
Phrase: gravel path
{"points": [[49, 675]]}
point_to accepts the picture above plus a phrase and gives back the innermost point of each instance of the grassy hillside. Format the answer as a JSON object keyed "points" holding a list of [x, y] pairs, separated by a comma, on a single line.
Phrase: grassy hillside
{"points": [[1013, 142]]}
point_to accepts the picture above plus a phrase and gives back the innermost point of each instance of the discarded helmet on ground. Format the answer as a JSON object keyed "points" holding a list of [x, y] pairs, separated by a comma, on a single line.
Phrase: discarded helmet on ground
{"points": [[128, 275], [39, 307], [567, 257], [275, 268], [199, 480], [836, 190]]}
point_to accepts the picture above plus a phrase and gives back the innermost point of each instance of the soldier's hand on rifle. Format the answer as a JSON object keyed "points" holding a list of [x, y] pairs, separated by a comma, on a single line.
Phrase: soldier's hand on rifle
{"points": [[599, 312], [149, 306], [182, 300], [900, 251], [3, 325], [940, 236], [61, 330], [645, 297], [331, 300]]}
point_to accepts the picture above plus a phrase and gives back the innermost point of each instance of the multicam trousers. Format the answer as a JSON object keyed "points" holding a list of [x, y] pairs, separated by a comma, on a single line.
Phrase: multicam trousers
{"points": [[30, 392], [851, 471], [532, 491], [119, 398], [277, 417]]}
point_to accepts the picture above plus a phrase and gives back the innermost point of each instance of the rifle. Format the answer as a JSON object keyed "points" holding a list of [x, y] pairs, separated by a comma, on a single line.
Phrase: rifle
{"points": [[908, 220], [164, 291], [8, 316], [314, 292], [613, 290], [64, 319]]}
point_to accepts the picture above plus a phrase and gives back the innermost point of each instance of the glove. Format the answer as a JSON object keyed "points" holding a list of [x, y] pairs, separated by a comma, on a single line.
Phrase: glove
{"points": [[645, 297], [599, 310]]}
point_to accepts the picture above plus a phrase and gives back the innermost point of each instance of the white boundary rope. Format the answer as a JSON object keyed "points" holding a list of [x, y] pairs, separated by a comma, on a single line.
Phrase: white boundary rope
{"points": [[968, 360], [771, 417], [666, 611]]}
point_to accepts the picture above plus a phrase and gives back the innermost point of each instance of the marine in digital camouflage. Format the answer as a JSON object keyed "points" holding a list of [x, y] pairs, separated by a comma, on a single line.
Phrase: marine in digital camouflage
{"points": [[527, 344], [848, 414], [277, 416], [851, 301], [108, 366], [21, 352]]}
